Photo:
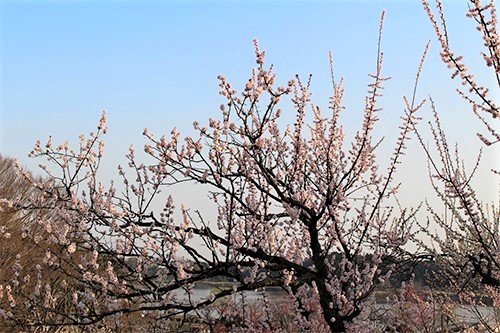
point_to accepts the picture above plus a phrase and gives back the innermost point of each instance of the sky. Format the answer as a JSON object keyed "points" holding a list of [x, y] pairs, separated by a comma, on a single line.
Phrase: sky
{"points": [[155, 64]]}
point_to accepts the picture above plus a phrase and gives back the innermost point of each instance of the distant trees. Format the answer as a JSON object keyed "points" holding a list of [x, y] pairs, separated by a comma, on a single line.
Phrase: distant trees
{"points": [[40, 286], [25, 261]]}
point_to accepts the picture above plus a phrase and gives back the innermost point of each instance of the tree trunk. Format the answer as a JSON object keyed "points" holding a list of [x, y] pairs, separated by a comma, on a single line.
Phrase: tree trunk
{"points": [[330, 315], [337, 326]]}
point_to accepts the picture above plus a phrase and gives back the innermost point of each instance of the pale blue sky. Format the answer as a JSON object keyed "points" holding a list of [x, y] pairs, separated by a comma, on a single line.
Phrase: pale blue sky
{"points": [[154, 63]]}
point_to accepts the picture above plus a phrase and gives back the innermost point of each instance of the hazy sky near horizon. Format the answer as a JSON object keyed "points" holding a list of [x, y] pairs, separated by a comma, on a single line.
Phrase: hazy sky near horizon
{"points": [[155, 64]]}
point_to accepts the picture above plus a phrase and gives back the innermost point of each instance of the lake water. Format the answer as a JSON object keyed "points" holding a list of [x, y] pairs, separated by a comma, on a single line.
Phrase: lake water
{"points": [[468, 314]]}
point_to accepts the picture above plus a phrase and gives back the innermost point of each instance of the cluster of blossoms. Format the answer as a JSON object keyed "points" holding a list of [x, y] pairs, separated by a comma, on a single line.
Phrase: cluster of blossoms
{"points": [[477, 95]]}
